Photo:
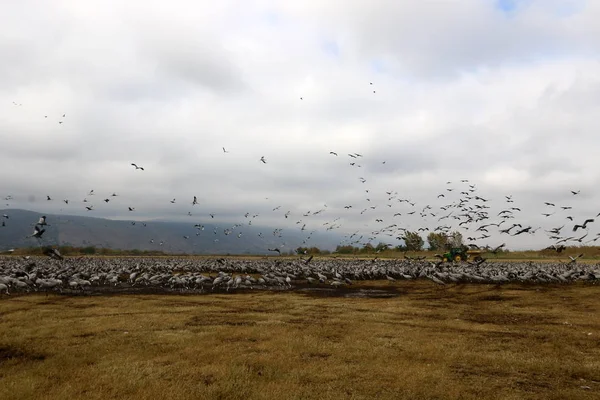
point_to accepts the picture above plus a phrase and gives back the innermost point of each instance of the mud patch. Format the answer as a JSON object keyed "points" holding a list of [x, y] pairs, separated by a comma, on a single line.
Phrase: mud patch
{"points": [[214, 321], [316, 355], [349, 293], [8, 353], [507, 319]]}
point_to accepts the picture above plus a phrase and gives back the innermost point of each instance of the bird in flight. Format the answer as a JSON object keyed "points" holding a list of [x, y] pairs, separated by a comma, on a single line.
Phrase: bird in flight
{"points": [[333, 152], [574, 193], [263, 160], [225, 151], [195, 201], [136, 167], [587, 221], [37, 232]]}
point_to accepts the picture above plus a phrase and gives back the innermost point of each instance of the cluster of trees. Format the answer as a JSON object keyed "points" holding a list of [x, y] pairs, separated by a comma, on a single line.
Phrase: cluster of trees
{"points": [[413, 241], [442, 242]]}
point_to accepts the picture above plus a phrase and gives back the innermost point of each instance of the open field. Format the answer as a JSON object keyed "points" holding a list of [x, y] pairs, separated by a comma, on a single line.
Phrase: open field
{"points": [[423, 342]]}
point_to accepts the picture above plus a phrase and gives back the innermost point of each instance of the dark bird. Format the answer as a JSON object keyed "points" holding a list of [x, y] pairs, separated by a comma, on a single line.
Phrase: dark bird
{"points": [[263, 160], [574, 193], [225, 151], [275, 249], [48, 198], [497, 249], [53, 253], [131, 208], [587, 221], [333, 152], [37, 232], [558, 249], [136, 167], [106, 200], [524, 230], [195, 201]]}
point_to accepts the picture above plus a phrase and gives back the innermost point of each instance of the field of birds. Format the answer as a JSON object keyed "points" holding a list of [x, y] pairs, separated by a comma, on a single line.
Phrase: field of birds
{"points": [[297, 328], [401, 339]]}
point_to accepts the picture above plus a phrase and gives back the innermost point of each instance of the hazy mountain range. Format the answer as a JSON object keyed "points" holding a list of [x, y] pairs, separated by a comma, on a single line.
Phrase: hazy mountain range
{"points": [[77, 231]]}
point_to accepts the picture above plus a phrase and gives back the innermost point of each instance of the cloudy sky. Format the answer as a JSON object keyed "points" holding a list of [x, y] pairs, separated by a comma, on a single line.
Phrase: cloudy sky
{"points": [[504, 93]]}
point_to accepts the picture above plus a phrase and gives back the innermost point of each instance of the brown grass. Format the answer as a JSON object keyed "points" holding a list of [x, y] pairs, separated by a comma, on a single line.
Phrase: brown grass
{"points": [[428, 342]]}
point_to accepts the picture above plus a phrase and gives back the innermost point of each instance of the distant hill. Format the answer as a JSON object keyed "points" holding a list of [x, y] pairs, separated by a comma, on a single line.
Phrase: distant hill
{"points": [[77, 231]]}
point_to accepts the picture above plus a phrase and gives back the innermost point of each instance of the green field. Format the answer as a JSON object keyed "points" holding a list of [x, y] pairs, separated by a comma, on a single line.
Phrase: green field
{"points": [[426, 342]]}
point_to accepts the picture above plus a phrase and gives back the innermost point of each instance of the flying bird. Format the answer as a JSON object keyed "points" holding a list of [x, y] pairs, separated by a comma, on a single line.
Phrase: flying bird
{"points": [[587, 221], [263, 160], [37, 232], [136, 167]]}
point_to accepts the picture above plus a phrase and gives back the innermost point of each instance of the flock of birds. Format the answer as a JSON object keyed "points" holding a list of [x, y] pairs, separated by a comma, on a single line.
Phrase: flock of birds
{"points": [[460, 207], [87, 275], [462, 210]]}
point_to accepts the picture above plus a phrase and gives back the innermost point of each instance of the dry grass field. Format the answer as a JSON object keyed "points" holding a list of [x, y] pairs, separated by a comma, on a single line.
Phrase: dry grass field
{"points": [[426, 342]]}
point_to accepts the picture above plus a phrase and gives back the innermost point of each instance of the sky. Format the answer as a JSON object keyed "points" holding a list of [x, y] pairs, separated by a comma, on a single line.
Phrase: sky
{"points": [[503, 93]]}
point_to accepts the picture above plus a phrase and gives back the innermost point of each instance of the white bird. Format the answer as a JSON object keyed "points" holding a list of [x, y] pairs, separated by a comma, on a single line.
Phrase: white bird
{"points": [[42, 220]]}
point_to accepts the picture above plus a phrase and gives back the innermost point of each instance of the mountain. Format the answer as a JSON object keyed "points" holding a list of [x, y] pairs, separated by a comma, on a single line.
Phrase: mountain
{"points": [[77, 231]]}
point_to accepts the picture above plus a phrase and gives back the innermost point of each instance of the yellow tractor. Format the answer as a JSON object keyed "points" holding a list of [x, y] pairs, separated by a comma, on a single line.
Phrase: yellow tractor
{"points": [[475, 255], [458, 254]]}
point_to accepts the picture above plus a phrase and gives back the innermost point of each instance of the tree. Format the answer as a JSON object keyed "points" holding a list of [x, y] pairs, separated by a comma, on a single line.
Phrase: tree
{"points": [[455, 239], [381, 247], [413, 241], [437, 241]]}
